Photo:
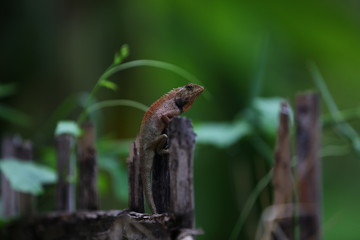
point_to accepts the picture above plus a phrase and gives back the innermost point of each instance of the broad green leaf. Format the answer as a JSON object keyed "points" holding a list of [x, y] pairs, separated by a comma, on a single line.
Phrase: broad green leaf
{"points": [[221, 134], [267, 111], [67, 127], [27, 177], [108, 84], [14, 116]]}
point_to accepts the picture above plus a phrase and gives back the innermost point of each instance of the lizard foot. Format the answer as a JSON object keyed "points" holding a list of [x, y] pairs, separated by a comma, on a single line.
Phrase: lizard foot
{"points": [[159, 144]]}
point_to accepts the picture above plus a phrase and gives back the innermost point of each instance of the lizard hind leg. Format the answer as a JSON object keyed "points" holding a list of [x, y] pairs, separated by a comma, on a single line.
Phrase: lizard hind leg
{"points": [[159, 144]]}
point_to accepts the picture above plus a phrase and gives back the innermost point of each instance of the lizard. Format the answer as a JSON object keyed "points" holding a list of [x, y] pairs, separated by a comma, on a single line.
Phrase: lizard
{"points": [[151, 138]]}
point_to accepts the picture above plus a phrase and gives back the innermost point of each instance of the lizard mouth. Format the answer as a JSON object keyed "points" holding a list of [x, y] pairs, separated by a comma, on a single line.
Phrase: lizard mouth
{"points": [[199, 89]]}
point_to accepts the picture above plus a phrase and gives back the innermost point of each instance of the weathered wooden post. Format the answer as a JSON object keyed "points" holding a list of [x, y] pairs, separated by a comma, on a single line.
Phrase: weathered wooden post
{"points": [[87, 166], [24, 152], [136, 197], [307, 120], [173, 184], [10, 198], [282, 179], [65, 189]]}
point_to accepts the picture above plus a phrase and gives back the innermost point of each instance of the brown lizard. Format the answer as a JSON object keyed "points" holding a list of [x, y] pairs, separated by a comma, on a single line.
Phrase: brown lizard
{"points": [[156, 119]]}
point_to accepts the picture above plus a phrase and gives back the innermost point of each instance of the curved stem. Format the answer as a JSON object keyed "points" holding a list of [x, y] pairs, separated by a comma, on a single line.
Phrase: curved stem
{"points": [[117, 102]]}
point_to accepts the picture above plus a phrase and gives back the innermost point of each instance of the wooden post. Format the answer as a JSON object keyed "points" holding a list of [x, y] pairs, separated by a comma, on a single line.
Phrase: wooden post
{"points": [[86, 152], [161, 181], [65, 197], [24, 152], [10, 204], [282, 179], [136, 197], [307, 120], [173, 185]]}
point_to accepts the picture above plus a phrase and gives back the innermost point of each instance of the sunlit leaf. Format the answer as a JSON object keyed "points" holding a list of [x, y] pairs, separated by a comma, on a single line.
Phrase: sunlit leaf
{"points": [[67, 127], [221, 134], [108, 84], [27, 177]]}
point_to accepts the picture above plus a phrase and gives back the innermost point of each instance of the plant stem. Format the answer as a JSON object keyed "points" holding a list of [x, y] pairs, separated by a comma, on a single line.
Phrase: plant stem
{"points": [[117, 102]]}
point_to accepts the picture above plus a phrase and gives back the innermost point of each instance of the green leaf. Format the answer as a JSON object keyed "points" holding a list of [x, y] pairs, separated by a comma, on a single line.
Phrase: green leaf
{"points": [[67, 127], [221, 134], [267, 112], [108, 84], [110, 163], [117, 58], [121, 55], [14, 116], [7, 89], [124, 51], [27, 177]]}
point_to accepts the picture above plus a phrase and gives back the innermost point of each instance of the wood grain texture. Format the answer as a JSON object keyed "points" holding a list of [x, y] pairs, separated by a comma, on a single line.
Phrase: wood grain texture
{"points": [[307, 120], [24, 152], [65, 189], [10, 198], [136, 197], [95, 225], [87, 195], [282, 179], [181, 159]]}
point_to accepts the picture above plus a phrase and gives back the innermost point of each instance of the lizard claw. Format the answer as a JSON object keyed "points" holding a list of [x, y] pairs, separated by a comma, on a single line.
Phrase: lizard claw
{"points": [[159, 144]]}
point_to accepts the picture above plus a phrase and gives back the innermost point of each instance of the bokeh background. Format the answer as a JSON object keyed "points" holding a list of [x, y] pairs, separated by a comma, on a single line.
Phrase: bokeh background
{"points": [[247, 54]]}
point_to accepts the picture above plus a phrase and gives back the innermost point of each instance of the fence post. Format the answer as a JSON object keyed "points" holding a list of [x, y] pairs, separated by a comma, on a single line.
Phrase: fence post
{"points": [[10, 198], [282, 178], [24, 152], [307, 120], [136, 196], [65, 189], [173, 185], [87, 189]]}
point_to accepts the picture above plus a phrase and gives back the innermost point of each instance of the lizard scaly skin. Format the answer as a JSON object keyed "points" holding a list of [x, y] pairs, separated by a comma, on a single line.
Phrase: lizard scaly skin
{"points": [[156, 119]]}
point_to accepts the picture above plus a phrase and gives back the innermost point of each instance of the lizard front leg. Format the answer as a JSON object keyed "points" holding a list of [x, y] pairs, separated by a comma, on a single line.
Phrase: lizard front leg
{"points": [[168, 115]]}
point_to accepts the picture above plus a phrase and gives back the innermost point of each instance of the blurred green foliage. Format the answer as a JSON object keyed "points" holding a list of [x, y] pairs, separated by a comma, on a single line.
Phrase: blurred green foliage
{"points": [[247, 54], [27, 177]]}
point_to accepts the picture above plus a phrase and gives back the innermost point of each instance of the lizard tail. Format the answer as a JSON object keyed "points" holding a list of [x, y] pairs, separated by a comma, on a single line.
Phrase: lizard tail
{"points": [[148, 191]]}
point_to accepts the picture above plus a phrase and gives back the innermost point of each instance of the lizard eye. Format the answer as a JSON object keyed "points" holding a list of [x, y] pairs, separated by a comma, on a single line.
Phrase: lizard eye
{"points": [[189, 87]]}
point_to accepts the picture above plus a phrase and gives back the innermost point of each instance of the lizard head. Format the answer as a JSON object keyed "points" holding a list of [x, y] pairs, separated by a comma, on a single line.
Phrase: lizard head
{"points": [[186, 96]]}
